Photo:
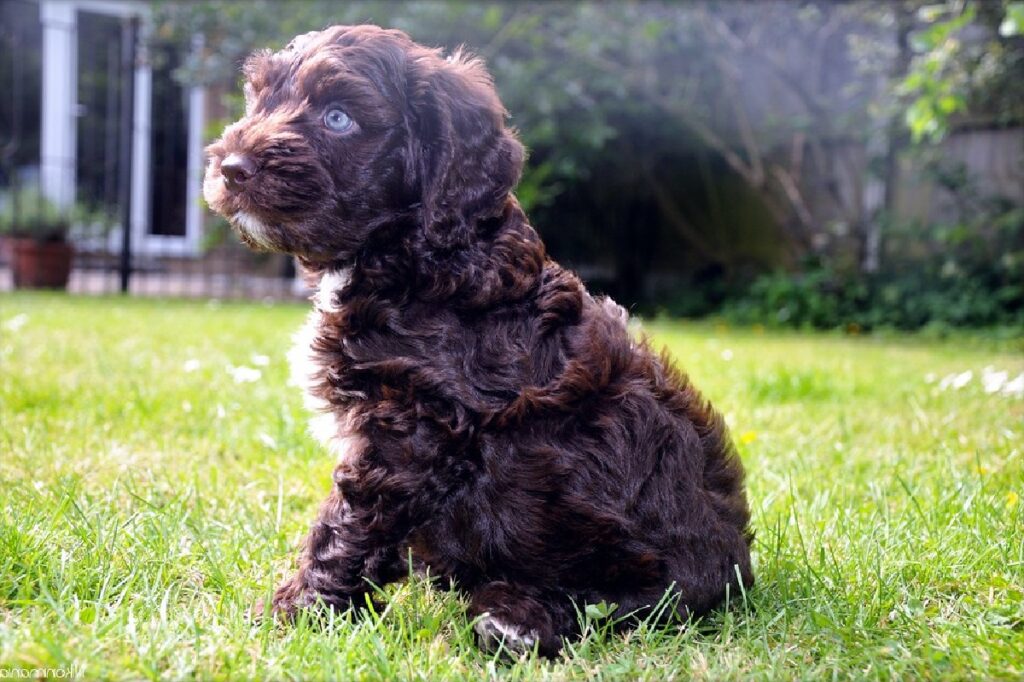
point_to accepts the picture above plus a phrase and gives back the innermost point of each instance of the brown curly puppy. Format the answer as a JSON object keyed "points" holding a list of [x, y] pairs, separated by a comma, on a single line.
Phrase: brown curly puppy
{"points": [[490, 416]]}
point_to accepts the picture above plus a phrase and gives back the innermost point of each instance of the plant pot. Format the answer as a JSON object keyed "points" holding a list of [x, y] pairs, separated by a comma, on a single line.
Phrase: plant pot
{"points": [[40, 265]]}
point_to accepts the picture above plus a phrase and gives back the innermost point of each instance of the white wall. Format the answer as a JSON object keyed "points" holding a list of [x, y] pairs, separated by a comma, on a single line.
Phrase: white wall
{"points": [[58, 126], [994, 160]]}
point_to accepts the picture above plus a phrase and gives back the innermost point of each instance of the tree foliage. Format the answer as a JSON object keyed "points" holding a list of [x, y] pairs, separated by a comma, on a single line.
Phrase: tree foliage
{"points": [[968, 62], [716, 139]]}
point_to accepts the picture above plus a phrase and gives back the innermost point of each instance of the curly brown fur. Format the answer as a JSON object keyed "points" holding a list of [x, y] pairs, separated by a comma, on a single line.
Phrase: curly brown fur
{"points": [[489, 415]]}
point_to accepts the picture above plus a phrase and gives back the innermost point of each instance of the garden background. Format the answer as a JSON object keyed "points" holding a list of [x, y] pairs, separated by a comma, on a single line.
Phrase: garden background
{"points": [[817, 207], [834, 165]]}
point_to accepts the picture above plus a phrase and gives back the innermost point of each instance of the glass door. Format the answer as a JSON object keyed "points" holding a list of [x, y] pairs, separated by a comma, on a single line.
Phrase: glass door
{"points": [[101, 80], [168, 143]]}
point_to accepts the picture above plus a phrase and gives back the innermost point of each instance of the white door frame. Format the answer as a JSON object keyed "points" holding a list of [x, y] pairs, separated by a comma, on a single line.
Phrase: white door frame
{"points": [[59, 127]]}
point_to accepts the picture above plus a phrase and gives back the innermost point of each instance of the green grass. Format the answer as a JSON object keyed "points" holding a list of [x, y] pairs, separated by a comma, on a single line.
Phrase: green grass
{"points": [[145, 508]]}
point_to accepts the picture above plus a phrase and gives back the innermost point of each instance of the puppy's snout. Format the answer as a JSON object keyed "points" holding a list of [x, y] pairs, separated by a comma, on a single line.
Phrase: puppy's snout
{"points": [[237, 169]]}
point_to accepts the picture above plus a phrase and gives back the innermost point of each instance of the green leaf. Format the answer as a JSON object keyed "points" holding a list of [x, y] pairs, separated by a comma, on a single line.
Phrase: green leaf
{"points": [[950, 103], [492, 18], [653, 29], [600, 610], [1013, 22]]}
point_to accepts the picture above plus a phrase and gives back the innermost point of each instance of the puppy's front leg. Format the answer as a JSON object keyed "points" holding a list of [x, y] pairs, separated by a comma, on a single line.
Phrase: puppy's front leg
{"points": [[353, 545]]}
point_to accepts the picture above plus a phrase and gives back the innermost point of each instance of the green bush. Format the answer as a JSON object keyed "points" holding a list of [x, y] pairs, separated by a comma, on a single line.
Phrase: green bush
{"points": [[823, 300], [27, 213], [968, 272]]}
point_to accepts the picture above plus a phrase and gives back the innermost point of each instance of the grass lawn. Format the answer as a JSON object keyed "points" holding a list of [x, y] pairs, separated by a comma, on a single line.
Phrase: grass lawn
{"points": [[156, 477]]}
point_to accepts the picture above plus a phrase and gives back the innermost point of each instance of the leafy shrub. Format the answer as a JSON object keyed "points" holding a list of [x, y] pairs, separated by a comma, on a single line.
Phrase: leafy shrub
{"points": [[823, 300], [27, 213], [968, 272]]}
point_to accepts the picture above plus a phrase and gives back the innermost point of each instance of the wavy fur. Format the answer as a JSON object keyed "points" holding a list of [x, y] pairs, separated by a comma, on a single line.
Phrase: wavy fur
{"points": [[491, 416]]}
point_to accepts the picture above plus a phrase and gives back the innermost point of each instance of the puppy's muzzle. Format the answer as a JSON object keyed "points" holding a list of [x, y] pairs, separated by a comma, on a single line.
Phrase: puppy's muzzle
{"points": [[237, 169]]}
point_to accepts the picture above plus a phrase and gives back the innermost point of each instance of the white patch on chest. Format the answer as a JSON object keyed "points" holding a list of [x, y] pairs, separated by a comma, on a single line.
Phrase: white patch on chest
{"points": [[330, 424], [332, 282]]}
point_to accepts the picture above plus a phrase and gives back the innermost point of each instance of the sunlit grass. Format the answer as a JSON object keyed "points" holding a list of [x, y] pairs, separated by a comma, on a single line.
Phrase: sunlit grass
{"points": [[151, 493]]}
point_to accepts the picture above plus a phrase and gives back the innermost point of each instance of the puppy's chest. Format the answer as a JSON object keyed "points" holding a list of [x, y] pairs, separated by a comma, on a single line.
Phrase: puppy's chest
{"points": [[317, 353]]}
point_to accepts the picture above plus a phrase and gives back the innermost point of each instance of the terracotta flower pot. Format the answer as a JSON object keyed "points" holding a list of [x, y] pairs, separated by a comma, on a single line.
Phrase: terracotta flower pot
{"points": [[40, 265]]}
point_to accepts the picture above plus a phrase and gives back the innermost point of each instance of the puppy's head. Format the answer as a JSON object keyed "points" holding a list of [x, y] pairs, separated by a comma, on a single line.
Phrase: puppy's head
{"points": [[353, 128]]}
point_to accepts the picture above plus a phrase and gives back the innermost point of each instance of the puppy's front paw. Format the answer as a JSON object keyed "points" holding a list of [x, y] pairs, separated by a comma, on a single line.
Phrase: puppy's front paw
{"points": [[492, 633], [291, 596], [295, 595], [257, 612]]}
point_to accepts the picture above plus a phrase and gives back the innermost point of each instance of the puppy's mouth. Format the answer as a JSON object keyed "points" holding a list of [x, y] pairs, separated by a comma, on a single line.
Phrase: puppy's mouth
{"points": [[254, 232]]}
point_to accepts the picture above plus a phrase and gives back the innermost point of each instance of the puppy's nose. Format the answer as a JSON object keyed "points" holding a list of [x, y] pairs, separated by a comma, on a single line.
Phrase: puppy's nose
{"points": [[237, 169]]}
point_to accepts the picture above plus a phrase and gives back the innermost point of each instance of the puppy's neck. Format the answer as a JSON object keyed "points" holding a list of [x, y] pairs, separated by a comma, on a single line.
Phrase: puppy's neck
{"points": [[501, 264]]}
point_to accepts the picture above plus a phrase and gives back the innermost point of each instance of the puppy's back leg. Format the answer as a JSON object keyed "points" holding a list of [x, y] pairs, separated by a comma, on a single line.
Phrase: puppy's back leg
{"points": [[520, 618]]}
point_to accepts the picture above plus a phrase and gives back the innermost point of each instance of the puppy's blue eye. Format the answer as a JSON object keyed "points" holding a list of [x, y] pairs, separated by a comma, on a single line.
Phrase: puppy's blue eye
{"points": [[337, 120]]}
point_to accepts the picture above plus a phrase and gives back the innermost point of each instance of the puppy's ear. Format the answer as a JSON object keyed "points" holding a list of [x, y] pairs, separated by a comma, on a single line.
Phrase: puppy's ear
{"points": [[466, 159]]}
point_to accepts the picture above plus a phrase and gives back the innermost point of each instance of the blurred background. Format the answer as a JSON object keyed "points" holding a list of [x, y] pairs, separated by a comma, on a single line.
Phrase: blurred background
{"points": [[853, 165]]}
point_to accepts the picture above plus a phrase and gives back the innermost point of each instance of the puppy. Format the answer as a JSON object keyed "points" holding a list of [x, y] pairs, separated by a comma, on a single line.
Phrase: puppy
{"points": [[490, 418]]}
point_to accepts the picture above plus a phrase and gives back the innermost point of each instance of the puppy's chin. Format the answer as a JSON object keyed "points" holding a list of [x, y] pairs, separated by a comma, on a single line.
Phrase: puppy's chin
{"points": [[254, 232], [261, 234]]}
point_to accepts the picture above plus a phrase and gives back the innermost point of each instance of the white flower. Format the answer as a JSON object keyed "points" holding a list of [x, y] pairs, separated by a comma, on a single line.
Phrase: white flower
{"points": [[727, 355], [956, 381], [16, 322], [191, 365], [259, 360], [930, 378], [1015, 388], [243, 374], [992, 381], [268, 440], [962, 379]]}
